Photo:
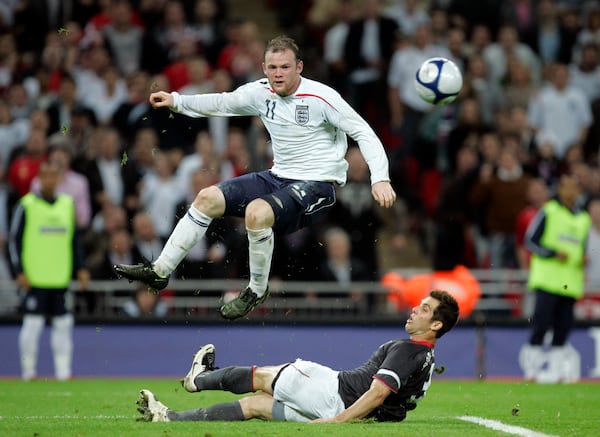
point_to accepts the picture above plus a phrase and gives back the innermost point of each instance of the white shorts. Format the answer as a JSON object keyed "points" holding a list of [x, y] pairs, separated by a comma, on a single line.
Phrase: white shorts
{"points": [[306, 391]]}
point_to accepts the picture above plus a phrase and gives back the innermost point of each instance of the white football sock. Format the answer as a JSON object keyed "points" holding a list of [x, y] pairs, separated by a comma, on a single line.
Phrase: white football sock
{"points": [[189, 230], [260, 252], [531, 360], [29, 338], [61, 341]]}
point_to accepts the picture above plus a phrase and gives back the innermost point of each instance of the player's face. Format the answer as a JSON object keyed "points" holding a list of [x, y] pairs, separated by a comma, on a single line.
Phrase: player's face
{"points": [[283, 71], [420, 321]]}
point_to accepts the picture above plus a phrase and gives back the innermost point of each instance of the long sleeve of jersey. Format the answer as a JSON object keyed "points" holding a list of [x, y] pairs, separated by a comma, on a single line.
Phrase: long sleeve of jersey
{"points": [[533, 236], [15, 239], [308, 130]]}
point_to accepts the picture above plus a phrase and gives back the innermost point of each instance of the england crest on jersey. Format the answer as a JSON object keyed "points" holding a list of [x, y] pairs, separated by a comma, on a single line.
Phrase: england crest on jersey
{"points": [[302, 114]]}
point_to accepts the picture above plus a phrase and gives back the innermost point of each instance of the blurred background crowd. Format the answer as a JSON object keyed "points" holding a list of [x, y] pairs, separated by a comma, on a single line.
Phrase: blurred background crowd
{"points": [[75, 76]]}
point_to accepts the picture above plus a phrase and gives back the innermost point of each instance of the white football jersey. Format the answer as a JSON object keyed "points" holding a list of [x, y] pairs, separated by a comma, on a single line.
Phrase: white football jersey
{"points": [[308, 129]]}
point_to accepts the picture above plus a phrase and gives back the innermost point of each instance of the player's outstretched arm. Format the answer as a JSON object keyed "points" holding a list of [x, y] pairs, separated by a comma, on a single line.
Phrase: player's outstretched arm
{"points": [[383, 193], [161, 99], [370, 400]]}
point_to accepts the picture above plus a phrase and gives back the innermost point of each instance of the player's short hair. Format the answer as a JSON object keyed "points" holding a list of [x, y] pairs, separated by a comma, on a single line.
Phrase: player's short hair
{"points": [[281, 43], [446, 312]]}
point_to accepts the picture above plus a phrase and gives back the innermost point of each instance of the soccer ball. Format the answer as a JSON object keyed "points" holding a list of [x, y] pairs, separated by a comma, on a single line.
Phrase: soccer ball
{"points": [[438, 81]]}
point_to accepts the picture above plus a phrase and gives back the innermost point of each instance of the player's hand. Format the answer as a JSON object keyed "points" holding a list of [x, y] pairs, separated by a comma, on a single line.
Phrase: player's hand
{"points": [[22, 281], [383, 193], [83, 276], [562, 257], [161, 99]]}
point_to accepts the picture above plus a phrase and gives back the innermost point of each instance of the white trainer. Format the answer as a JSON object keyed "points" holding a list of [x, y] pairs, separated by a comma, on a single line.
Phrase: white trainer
{"points": [[152, 409], [204, 361]]}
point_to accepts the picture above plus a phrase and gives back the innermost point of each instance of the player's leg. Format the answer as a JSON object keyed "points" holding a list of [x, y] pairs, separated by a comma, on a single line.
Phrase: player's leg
{"points": [[33, 305], [238, 379], [563, 358], [208, 204], [293, 205], [257, 406], [61, 336], [259, 221]]}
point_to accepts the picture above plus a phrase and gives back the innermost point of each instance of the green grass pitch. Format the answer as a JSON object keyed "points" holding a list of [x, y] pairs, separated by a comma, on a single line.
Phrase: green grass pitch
{"points": [[106, 407]]}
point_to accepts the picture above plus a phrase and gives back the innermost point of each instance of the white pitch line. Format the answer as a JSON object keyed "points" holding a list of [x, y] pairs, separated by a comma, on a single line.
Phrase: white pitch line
{"points": [[499, 426]]}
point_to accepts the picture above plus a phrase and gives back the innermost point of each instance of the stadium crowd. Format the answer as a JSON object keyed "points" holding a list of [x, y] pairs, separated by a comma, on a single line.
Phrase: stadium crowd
{"points": [[75, 77]]}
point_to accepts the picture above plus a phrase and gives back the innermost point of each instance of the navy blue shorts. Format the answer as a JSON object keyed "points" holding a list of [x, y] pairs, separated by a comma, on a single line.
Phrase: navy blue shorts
{"points": [[44, 302], [295, 203]]}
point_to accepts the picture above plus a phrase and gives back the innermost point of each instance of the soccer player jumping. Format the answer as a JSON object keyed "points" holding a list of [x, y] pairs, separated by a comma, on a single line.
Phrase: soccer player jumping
{"points": [[307, 122]]}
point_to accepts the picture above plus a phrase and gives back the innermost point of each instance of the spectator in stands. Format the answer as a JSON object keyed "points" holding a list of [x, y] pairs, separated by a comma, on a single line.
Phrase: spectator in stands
{"points": [[501, 194], [453, 244], [107, 170], [108, 96], [544, 162], [355, 211], [518, 86], [199, 73], [208, 24], [24, 168], [13, 133], [205, 158], [207, 259], [66, 104], [538, 194], [236, 152], [590, 33], [145, 303], [20, 103], [119, 248], [104, 223], [508, 46], [340, 266], [523, 16], [145, 240], [488, 94], [557, 238], [173, 28], [70, 182], [548, 42], [562, 110], [334, 41], [480, 39], [585, 75], [239, 57], [369, 47], [159, 194], [409, 15], [123, 38], [469, 126]]}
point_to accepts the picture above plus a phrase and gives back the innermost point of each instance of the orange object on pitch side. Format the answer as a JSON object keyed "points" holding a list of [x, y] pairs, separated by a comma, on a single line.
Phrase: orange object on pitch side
{"points": [[407, 293]]}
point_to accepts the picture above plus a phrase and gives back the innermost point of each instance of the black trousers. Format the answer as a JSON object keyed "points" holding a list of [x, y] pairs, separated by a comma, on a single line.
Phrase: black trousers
{"points": [[552, 311]]}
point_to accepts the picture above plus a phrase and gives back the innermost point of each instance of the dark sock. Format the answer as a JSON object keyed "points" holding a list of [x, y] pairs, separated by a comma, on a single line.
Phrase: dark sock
{"points": [[234, 379], [230, 412]]}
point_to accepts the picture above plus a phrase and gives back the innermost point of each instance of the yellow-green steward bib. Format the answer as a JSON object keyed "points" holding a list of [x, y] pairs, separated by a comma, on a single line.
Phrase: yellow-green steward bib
{"points": [[564, 232], [47, 255]]}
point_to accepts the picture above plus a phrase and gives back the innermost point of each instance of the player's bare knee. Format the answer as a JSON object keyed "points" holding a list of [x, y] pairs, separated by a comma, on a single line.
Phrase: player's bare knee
{"points": [[259, 406], [210, 201], [262, 377], [259, 215]]}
